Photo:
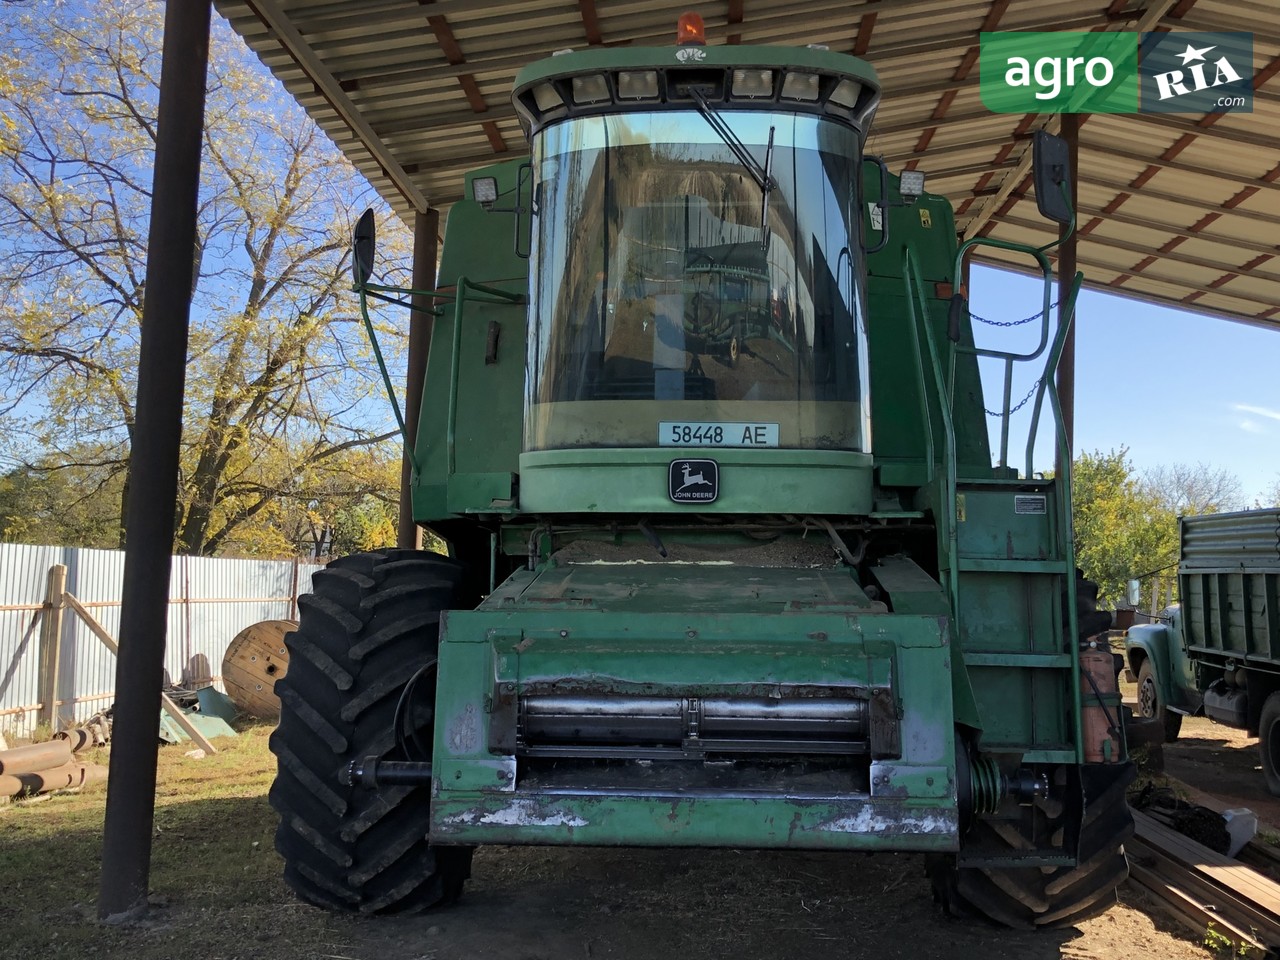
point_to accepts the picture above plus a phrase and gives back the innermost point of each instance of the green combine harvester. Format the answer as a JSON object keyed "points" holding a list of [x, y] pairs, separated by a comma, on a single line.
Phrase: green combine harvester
{"points": [[729, 562]]}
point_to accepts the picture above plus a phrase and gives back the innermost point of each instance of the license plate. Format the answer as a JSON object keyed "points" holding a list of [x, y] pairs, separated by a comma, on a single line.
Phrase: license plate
{"points": [[682, 433]]}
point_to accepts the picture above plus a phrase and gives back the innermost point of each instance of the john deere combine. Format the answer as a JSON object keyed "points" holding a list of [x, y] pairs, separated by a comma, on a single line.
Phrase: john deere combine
{"points": [[730, 563]]}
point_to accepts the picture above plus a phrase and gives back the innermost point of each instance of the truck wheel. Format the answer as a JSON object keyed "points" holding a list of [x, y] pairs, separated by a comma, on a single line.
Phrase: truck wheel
{"points": [[369, 626], [1046, 897], [1269, 742], [1151, 706]]}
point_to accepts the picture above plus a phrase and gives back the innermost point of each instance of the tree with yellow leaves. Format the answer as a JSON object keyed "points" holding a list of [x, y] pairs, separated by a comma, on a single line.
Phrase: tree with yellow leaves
{"points": [[284, 415]]}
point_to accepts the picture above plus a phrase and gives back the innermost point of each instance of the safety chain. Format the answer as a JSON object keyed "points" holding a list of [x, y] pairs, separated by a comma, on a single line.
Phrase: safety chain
{"points": [[1021, 403], [1010, 323]]}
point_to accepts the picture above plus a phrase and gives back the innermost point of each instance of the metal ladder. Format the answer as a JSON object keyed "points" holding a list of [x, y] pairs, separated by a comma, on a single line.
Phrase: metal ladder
{"points": [[1007, 559]]}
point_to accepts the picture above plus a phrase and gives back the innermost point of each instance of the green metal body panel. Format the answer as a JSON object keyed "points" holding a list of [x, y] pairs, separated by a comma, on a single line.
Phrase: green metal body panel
{"points": [[479, 245], [751, 481], [906, 444], [1174, 671], [1229, 585], [714, 632]]}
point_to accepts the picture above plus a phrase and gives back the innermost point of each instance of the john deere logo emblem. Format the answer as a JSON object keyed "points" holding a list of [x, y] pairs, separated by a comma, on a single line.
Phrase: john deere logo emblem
{"points": [[693, 481]]}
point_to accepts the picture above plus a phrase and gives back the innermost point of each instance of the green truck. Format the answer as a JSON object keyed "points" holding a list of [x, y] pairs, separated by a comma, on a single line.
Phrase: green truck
{"points": [[1216, 652], [688, 601]]}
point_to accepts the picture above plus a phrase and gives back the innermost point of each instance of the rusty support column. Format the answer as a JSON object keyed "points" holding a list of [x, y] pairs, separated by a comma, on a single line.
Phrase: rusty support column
{"points": [[426, 227], [1066, 273], [153, 486]]}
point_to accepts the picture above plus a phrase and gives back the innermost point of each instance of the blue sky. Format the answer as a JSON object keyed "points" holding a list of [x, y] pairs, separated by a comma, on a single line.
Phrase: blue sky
{"points": [[1170, 385]]}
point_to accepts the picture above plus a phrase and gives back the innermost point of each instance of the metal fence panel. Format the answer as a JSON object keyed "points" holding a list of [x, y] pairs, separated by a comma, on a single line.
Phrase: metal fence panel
{"points": [[23, 571], [210, 601]]}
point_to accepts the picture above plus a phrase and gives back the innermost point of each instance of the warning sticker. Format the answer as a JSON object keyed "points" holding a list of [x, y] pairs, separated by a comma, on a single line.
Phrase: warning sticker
{"points": [[1030, 503]]}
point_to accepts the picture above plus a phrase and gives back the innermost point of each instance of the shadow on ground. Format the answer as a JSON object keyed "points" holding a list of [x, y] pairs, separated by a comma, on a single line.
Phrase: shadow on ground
{"points": [[217, 894]]}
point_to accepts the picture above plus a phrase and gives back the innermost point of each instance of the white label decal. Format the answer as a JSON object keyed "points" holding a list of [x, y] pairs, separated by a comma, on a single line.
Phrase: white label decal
{"points": [[686, 433], [1028, 503]]}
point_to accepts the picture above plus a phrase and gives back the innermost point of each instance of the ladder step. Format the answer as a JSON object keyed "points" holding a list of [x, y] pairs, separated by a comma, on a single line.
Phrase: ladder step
{"points": [[991, 565], [994, 483], [1013, 658]]}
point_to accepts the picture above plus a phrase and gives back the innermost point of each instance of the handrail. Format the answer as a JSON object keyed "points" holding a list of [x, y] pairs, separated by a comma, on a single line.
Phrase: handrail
{"points": [[1046, 386], [1008, 356], [920, 318]]}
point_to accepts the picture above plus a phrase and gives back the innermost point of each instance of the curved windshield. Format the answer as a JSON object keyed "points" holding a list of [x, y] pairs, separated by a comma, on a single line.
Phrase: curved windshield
{"points": [[673, 295]]}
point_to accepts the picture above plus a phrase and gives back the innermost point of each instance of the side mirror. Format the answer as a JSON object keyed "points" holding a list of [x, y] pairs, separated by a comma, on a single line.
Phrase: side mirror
{"points": [[1052, 163], [1135, 593], [524, 211], [363, 245]]}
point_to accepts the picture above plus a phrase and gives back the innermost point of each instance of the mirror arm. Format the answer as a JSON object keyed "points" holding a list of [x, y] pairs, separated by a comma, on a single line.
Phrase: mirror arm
{"points": [[386, 380], [1071, 224]]}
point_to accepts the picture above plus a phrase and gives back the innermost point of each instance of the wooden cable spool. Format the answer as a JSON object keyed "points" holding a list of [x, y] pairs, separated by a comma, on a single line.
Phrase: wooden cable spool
{"points": [[254, 661]]}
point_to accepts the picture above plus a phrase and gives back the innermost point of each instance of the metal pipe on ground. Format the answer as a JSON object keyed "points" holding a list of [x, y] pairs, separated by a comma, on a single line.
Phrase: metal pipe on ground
{"points": [[153, 479], [77, 738], [37, 756], [66, 777]]}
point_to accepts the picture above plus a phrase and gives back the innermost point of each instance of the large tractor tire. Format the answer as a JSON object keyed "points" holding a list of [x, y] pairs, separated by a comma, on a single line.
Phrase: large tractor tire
{"points": [[1152, 707], [1031, 897], [1269, 742], [370, 626]]}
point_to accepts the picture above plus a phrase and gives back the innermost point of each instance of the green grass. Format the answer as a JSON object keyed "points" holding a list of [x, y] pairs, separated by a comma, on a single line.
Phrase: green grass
{"points": [[215, 877]]}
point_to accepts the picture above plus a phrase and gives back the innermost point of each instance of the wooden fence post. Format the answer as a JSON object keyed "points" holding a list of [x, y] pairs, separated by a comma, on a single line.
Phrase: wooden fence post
{"points": [[169, 707], [51, 645]]}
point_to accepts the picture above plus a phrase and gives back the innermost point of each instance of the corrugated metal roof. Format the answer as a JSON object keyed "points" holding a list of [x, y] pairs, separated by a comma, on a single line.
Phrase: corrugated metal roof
{"points": [[1172, 209]]}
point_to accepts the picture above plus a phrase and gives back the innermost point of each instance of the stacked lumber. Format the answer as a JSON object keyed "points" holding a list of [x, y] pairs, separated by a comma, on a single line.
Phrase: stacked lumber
{"points": [[42, 767], [1221, 899]]}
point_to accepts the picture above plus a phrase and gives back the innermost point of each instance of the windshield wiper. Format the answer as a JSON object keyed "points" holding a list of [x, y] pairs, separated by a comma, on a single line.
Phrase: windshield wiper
{"points": [[762, 174]]}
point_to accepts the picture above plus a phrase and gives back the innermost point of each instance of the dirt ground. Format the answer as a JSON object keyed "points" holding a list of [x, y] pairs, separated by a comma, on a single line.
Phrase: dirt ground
{"points": [[218, 894], [1224, 763]]}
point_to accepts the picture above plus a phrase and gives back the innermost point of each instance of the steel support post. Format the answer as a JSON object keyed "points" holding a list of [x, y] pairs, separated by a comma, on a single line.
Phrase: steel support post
{"points": [[1066, 273], [153, 483], [426, 228]]}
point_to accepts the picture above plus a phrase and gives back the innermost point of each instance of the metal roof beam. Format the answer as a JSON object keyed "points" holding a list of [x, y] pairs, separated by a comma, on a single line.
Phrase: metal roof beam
{"points": [[1240, 179], [1177, 230], [278, 22], [992, 260], [1093, 240]]}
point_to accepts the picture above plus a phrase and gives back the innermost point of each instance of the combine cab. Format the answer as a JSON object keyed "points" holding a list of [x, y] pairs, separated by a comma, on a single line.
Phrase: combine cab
{"points": [[730, 564]]}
